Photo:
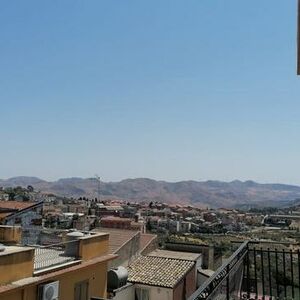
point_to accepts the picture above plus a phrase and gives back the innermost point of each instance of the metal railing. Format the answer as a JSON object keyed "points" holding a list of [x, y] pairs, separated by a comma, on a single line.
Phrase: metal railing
{"points": [[256, 270], [272, 272], [221, 282]]}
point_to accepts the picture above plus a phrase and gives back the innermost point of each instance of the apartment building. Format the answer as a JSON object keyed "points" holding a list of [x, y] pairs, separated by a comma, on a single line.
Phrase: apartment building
{"points": [[73, 270], [28, 215]]}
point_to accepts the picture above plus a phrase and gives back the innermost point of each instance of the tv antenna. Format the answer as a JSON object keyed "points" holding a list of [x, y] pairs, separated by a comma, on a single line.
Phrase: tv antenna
{"points": [[98, 188]]}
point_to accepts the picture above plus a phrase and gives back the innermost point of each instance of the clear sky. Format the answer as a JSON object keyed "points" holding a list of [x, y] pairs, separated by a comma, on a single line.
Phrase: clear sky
{"points": [[167, 89]]}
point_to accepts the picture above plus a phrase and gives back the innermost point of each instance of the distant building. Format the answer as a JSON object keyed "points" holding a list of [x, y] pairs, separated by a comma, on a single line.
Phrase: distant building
{"points": [[108, 210], [128, 244], [121, 223], [28, 215], [4, 196], [211, 259]]}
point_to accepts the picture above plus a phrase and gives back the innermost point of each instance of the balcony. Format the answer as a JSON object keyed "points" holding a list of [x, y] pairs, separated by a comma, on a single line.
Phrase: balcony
{"points": [[256, 270]]}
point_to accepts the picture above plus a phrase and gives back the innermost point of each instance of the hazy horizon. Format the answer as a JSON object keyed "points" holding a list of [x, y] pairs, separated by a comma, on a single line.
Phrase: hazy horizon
{"points": [[156, 179], [171, 90]]}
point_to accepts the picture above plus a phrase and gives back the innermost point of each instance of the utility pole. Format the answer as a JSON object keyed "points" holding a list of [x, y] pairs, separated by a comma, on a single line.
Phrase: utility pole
{"points": [[98, 179]]}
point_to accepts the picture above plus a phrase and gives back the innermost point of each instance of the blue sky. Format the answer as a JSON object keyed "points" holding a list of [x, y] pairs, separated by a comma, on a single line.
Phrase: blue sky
{"points": [[169, 90]]}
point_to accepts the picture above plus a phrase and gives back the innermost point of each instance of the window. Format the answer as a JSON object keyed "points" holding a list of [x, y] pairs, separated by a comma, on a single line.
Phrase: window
{"points": [[141, 294], [81, 290], [18, 220], [36, 222]]}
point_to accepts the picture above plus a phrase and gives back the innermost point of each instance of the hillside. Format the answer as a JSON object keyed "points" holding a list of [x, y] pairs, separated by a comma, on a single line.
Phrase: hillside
{"points": [[206, 193]]}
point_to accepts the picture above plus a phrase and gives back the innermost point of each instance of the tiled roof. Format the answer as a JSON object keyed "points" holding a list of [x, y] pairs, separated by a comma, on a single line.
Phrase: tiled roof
{"points": [[15, 205], [4, 215], [158, 271], [117, 237]]}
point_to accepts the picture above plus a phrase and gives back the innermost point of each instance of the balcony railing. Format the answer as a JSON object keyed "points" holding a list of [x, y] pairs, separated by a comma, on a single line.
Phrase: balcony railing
{"points": [[256, 270], [221, 282]]}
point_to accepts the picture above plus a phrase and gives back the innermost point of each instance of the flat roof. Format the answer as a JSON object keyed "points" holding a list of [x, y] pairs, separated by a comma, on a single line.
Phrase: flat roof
{"points": [[14, 249], [175, 255], [47, 257]]}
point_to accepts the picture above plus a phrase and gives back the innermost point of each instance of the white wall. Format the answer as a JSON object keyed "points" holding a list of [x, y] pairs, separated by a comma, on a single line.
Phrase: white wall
{"points": [[125, 294]]}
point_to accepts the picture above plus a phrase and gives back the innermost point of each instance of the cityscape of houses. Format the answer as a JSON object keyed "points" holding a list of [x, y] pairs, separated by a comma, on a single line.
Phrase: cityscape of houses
{"points": [[186, 91], [112, 249]]}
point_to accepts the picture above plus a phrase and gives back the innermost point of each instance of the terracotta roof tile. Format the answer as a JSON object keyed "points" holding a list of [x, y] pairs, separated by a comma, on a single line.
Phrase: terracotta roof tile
{"points": [[158, 271], [4, 215], [15, 205]]}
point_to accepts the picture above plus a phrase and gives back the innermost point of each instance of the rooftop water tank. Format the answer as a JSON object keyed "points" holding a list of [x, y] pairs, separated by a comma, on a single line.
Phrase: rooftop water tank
{"points": [[72, 243], [117, 278]]}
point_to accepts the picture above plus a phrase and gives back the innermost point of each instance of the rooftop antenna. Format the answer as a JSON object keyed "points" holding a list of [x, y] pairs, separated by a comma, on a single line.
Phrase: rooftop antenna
{"points": [[98, 179]]}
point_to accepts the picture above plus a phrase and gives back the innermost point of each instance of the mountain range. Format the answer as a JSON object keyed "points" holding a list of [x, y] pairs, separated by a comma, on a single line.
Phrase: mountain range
{"points": [[199, 193]]}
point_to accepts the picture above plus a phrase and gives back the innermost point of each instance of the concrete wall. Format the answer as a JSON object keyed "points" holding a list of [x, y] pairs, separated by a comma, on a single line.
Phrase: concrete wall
{"points": [[208, 253], [157, 293], [93, 246], [16, 265], [95, 275], [125, 294], [201, 278], [127, 252], [187, 286], [10, 234], [151, 246], [178, 293], [190, 282]]}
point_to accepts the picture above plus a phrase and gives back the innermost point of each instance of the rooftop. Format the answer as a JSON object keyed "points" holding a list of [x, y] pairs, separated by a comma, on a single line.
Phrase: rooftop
{"points": [[15, 205], [117, 237], [13, 249], [158, 271], [48, 257], [113, 218], [175, 255]]}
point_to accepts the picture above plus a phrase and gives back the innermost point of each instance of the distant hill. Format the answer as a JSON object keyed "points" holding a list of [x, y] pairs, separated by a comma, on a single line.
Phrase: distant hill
{"points": [[206, 193]]}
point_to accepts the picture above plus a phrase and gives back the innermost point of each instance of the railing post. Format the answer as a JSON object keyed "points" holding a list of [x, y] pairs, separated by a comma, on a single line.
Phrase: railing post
{"points": [[248, 272], [298, 255], [262, 271], [292, 273], [276, 270], [227, 283], [255, 270], [284, 272], [270, 279]]}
